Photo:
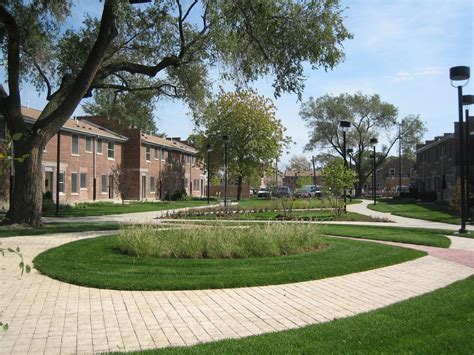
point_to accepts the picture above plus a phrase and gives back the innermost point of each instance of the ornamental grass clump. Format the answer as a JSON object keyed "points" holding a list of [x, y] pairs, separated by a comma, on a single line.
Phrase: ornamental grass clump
{"points": [[220, 242]]}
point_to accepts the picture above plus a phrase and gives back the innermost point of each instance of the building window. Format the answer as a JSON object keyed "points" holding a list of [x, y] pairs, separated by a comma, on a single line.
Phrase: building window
{"points": [[75, 145], [61, 182], [170, 157], [148, 153], [111, 150], [152, 184], [99, 146], [391, 172], [196, 186], [73, 182], [104, 183], [83, 180], [162, 154], [88, 144], [156, 153]]}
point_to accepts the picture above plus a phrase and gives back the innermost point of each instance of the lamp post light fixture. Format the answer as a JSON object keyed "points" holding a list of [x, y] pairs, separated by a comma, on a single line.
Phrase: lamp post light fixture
{"points": [[226, 140], [468, 100], [461, 74], [344, 126], [374, 141], [209, 150]]}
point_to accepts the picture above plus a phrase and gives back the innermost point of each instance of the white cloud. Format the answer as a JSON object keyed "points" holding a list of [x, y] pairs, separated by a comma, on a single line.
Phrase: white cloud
{"points": [[412, 75]]}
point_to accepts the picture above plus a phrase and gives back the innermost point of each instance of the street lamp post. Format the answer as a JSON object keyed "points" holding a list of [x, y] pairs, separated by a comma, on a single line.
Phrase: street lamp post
{"points": [[466, 101], [314, 170], [226, 139], [374, 141], [344, 126], [461, 73], [349, 152], [209, 150]]}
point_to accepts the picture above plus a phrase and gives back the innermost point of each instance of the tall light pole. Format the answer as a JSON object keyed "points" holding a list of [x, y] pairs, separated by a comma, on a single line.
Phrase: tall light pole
{"points": [[349, 152], [374, 141], [461, 73], [314, 170], [466, 101], [344, 126], [399, 161], [209, 150], [226, 139]]}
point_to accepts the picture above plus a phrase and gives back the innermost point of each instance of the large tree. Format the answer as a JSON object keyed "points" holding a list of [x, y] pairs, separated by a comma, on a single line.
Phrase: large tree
{"points": [[165, 44], [256, 135], [370, 117], [299, 163]]}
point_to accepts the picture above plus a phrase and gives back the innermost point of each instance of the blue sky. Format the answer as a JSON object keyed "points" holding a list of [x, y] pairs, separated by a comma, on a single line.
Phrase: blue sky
{"points": [[402, 50]]}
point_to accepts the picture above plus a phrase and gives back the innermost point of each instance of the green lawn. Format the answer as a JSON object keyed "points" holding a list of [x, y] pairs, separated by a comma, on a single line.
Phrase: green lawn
{"points": [[105, 208], [325, 215], [426, 211], [440, 322], [97, 262], [50, 228], [430, 237]]}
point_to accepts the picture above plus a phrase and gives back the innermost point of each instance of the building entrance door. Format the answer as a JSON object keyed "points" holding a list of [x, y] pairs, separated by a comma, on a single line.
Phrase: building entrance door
{"points": [[48, 182], [143, 187], [111, 186]]}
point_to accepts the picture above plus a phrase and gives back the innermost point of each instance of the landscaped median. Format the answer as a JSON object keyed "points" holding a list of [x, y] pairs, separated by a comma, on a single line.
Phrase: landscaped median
{"points": [[106, 262]]}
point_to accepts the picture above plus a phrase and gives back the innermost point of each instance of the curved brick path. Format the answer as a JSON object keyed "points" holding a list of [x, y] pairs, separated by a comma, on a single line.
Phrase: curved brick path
{"points": [[48, 316]]}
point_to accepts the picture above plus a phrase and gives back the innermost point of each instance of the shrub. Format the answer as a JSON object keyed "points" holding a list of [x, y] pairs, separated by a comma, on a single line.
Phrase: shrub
{"points": [[219, 242]]}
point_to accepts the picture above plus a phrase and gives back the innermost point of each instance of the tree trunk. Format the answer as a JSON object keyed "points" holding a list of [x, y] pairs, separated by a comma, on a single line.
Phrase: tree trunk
{"points": [[239, 187], [26, 190]]}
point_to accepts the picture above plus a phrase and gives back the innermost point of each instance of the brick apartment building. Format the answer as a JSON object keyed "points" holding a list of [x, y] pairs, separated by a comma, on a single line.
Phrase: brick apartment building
{"points": [[290, 177], [438, 165], [89, 152], [388, 174]]}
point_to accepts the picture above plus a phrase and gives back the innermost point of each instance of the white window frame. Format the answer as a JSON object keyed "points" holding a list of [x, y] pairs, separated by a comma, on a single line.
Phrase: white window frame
{"points": [[110, 143], [72, 144], [62, 184], [104, 188], [390, 172], [148, 153], [72, 183], [152, 184], [155, 153], [99, 144], [89, 139], [80, 180]]}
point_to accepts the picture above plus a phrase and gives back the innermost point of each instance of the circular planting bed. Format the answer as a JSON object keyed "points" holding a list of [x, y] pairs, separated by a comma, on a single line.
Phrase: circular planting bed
{"points": [[103, 263]]}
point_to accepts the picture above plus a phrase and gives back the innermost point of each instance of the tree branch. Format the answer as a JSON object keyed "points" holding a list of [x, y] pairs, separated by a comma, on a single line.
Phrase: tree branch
{"points": [[11, 103], [54, 119], [45, 79], [121, 88]]}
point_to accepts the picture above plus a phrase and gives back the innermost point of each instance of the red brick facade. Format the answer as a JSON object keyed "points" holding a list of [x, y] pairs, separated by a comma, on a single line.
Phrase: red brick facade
{"points": [[89, 152]]}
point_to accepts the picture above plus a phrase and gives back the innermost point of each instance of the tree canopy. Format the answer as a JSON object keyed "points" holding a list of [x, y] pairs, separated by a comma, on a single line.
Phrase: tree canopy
{"points": [[299, 163], [370, 117], [165, 47], [256, 135]]}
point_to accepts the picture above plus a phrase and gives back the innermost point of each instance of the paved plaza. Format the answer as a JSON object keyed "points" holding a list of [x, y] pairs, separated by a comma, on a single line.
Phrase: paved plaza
{"points": [[49, 316]]}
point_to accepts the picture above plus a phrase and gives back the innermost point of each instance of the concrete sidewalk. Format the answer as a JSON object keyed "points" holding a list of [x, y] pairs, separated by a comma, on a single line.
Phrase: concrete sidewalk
{"points": [[51, 317]]}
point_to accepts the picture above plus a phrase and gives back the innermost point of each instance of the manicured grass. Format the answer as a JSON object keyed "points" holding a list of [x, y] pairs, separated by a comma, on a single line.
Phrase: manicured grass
{"points": [[430, 237], [98, 262], [426, 211], [439, 322], [50, 228], [106, 208], [325, 215]]}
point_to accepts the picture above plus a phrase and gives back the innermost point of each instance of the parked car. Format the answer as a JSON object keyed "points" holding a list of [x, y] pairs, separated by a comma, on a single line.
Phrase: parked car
{"points": [[283, 191], [308, 191], [264, 192]]}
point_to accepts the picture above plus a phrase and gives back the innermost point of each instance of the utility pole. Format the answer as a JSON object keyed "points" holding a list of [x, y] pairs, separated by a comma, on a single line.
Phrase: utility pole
{"points": [[399, 161]]}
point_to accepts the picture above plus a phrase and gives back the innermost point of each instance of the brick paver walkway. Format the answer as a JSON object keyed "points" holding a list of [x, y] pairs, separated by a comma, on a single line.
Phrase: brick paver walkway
{"points": [[48, 316]]}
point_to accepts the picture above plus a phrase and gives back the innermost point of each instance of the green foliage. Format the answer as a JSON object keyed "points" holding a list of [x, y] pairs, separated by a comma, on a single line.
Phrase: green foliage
{"points": [[304, 180], [219, 242], [256, 135], [172, 181], [96, 263], [337, 180], [299, 163], [6, 158]]}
